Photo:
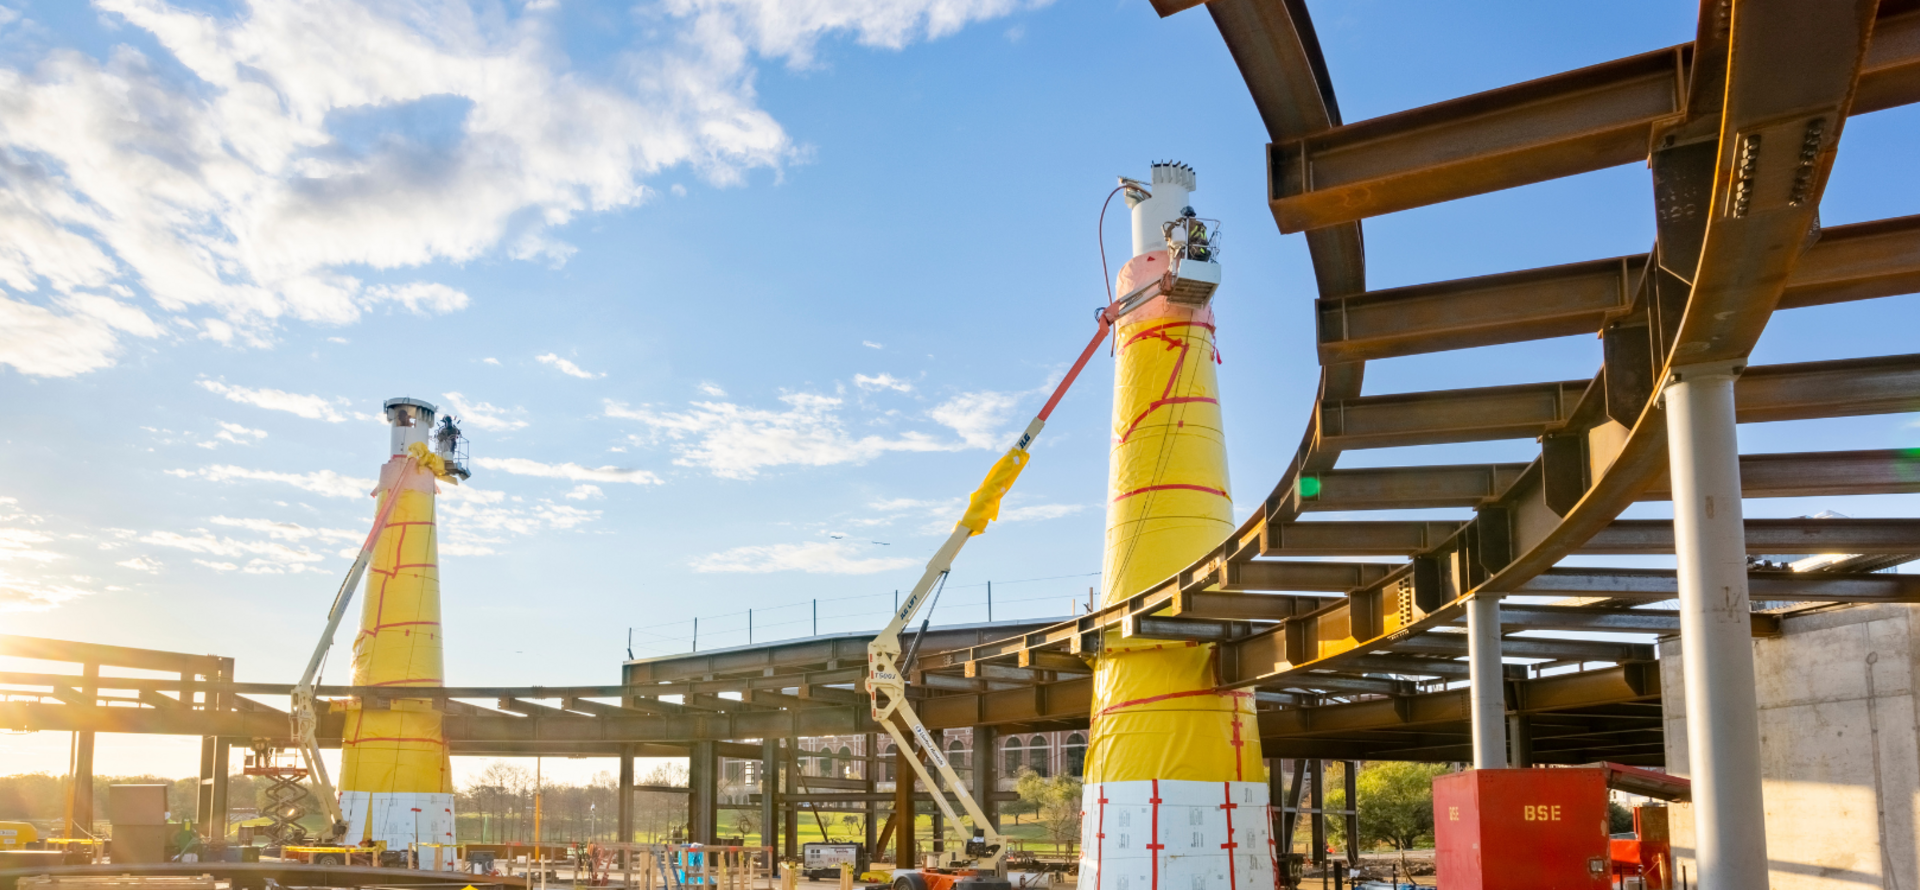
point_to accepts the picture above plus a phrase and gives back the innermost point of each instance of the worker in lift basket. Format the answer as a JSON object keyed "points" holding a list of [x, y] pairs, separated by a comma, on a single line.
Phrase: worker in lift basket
{"points": [[1197, 247]]}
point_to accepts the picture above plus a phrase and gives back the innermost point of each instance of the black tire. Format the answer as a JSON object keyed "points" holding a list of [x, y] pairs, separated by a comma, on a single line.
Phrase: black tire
{"points": [[983, 882], [328, 859], [910, 882]]}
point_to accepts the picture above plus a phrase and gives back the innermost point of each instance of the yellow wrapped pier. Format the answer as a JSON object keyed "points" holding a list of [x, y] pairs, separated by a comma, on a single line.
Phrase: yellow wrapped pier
{"points": [[1176, 790], [396, 785]]}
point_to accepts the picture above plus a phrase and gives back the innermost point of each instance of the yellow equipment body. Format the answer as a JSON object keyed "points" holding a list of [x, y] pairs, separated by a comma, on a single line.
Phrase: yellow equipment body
{"points": [[17, 835]]}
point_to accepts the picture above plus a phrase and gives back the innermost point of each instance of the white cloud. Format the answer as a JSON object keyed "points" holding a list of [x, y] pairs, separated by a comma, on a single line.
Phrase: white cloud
{"points": [[76, 334], [881, 381], [24, 595], [818, 557], [217, 566], [712, 389], [584, 492], [521, 466], [979, 417], [142, 564], [231, 184], [235, 434], [871, 345], [201, 541], [491, 361], [482, 415], [791, 29], [943, 513], [421, 298], [1034, 512], [477, 526], [736, 443], [321, 482], [20, 544], [566, 367], [307, 406], [289, 531]]}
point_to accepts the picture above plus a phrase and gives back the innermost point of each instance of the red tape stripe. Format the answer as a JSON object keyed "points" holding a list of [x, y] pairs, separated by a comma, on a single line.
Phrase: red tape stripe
{"points": [[1233, 878], [440, 742], [1156, 845], [1227, 693], [1100, 838], [1171, 485]]}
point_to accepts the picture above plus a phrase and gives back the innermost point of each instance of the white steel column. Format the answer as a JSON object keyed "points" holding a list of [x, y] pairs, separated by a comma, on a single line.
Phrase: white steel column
{"points": [[1486, 681], [1716, 631]]}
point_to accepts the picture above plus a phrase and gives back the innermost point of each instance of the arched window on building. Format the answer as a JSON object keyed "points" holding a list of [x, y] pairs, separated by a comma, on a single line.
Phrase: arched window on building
{"points": [[1037, 756], [886, 761], [824, 764], [957, 754], [1074, 752], [1010, 766], [846, 763]]}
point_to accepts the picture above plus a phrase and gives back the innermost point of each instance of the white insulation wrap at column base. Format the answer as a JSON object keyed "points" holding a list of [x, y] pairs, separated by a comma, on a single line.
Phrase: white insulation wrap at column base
{"points": [[1173, 835], [398, 818]]}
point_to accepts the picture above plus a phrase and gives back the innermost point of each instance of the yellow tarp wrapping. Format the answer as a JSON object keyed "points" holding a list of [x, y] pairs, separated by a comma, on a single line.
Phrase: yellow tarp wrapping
{"points": [[398, 645], [1156, 714], [984, 505]]}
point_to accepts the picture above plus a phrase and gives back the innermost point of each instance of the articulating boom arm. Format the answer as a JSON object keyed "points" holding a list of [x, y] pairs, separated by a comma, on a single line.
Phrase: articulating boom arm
{"points": [[305, 719], [886, 676]]}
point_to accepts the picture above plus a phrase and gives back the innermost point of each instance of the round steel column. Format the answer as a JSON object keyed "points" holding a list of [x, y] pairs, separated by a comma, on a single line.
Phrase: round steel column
{"points": [[1716, 631], [1486, 683]]}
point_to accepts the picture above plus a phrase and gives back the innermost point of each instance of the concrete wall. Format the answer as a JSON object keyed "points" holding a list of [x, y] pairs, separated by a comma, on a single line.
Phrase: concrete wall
{"points": [[1840, 741]]}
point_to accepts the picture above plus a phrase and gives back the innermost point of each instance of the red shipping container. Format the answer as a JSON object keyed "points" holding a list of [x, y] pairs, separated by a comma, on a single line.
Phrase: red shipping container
{"points": [[1522, 829]]}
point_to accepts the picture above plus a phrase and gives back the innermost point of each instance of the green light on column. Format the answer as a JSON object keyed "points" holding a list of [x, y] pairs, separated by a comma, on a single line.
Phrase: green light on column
{"points": [[1309, 486]]}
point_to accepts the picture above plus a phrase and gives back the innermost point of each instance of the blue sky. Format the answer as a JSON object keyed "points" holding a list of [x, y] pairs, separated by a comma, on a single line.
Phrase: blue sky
{"points": [[727, 291]]}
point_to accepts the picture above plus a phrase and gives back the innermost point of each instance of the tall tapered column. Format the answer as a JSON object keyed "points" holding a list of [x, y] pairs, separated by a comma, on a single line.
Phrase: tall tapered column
{"points": [[1716, 630], [1171, 754], [395, 781]]}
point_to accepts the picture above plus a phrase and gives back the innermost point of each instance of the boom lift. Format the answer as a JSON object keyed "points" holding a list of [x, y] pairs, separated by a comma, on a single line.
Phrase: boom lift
{"points": [[981, 864]]}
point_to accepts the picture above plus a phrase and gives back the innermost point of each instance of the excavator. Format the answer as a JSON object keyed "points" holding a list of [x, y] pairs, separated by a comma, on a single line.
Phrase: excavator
{"points": [[980, 863]]}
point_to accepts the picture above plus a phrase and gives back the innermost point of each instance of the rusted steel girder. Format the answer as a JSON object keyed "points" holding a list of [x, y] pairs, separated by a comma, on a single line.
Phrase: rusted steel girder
{"points": [[1575, 122], [1853, 262]]}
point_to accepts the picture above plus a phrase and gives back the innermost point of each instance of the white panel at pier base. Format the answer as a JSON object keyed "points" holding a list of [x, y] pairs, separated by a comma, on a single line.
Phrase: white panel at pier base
{"points": [[1839, 749], [1180, 842], [398, 819]]}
